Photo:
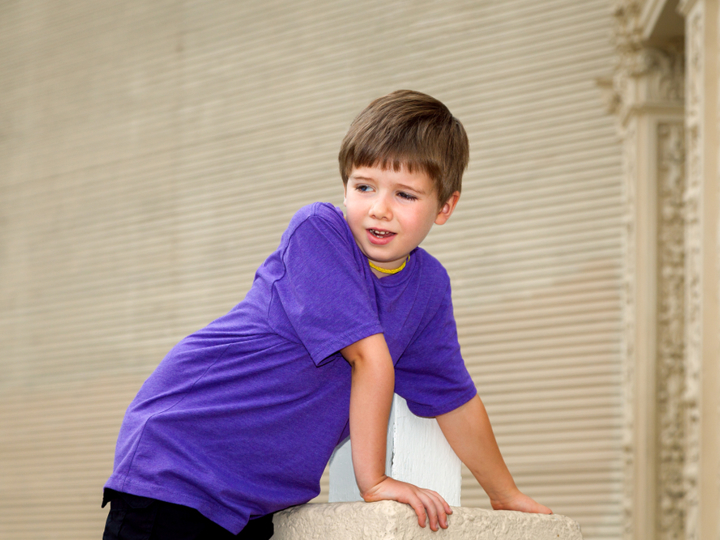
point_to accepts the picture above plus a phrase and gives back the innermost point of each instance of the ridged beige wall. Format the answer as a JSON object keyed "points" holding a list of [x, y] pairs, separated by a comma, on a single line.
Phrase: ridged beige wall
{"points": [[151, 154]]}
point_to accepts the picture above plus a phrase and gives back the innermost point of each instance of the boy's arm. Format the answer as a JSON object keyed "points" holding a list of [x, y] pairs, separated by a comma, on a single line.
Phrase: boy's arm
{"points": [[373, 383], [470, 435]]}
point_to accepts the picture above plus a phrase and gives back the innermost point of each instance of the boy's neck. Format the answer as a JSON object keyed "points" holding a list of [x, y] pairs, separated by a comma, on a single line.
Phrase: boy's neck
{"points": [[383, 272]]}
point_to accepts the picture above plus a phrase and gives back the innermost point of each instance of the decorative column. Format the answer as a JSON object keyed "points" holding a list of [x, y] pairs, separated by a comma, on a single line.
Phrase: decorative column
{"points": [[702, 389], [646, 93]]}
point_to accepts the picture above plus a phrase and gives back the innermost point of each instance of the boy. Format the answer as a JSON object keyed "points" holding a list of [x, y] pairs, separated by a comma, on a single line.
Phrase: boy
{"points": [[240, 418]]}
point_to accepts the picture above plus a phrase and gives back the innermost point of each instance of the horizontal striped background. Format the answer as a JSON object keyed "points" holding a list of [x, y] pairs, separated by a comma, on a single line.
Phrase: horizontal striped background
{"points": [[151, 154]]}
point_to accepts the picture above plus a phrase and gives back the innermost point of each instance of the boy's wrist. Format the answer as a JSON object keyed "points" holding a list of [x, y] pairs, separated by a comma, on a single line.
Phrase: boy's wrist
{"points": [[369, 493], [503, 499], [520, 503]]}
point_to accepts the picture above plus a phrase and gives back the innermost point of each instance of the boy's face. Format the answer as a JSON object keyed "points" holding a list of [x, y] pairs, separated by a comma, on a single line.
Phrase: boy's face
{"points": [[390, 212]]}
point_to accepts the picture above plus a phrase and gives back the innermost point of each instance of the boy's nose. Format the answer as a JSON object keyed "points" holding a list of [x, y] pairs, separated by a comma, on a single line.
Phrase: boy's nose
{"points": [[380, 209]]}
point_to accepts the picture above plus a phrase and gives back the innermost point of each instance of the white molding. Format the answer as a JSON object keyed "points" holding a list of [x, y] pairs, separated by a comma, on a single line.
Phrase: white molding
{"points": [[702, 388]]}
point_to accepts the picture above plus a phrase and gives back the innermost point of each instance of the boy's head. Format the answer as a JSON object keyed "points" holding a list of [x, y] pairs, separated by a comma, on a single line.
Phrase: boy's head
{"points": [[411, 130]]}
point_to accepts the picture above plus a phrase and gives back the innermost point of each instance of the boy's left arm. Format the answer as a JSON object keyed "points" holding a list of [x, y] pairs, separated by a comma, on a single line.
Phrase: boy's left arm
{"points": [[370, 399], [470, 435]]}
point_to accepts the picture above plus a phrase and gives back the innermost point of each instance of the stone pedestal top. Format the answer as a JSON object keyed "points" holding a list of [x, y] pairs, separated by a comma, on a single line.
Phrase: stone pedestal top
{"points": [[388, 520]]}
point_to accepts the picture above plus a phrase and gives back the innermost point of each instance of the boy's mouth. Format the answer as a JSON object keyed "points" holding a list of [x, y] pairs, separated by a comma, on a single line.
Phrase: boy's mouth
{"points": [[378, 236]]}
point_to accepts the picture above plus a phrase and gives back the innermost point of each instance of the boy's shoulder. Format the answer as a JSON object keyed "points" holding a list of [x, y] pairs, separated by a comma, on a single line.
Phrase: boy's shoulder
{"points": [[319, 226], [320, 212], [432, 268]]}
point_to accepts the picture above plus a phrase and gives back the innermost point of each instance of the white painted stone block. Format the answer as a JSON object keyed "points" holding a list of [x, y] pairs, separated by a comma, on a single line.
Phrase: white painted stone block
{"points": [[422, 455], [417, 452], [389, 520]]}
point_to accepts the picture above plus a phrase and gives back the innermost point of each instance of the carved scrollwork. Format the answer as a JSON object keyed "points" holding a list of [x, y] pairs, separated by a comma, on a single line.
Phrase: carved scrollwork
{"points": [[693, 267], [642, 75], [671, 332]]}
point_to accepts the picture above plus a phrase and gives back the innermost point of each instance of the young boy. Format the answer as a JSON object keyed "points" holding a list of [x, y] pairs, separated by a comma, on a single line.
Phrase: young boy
{"points": [[241, 417]]}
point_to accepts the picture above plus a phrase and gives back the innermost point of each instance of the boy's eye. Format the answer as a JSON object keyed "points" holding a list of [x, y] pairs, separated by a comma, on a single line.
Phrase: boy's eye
{"points": [[362, 188], [406, 196]]}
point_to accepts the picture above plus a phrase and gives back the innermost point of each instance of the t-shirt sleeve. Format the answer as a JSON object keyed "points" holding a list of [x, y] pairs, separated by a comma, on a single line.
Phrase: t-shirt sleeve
{"points": [[323, 292], [431, 374]]}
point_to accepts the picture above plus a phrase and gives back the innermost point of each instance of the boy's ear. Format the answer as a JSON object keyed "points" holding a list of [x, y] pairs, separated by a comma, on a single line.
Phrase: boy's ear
{"points": [[447, 209]]}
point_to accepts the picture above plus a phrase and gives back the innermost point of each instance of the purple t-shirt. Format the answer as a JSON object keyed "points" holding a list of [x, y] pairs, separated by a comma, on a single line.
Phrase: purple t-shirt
{"points": [[241, 417]]}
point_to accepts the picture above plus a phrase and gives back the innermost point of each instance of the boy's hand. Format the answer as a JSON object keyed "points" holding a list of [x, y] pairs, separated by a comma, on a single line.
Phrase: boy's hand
{"points": [[520, 502], [423, 501]]}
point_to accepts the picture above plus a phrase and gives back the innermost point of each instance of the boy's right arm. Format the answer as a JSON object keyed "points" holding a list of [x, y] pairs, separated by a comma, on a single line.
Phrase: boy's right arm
{"points": [[373, 383], [470, 435]]}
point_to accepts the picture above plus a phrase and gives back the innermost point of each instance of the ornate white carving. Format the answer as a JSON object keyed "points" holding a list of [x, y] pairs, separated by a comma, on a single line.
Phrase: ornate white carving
{"points": [[670, 373], [643, 75], [693, 266]]}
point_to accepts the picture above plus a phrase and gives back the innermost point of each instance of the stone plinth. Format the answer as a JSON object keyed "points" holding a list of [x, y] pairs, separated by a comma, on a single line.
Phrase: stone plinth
{"points": [[388, 520]]}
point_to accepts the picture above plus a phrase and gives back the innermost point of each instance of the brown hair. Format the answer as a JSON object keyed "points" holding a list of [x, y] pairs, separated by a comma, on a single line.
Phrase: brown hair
{"points": [[410, 129]]}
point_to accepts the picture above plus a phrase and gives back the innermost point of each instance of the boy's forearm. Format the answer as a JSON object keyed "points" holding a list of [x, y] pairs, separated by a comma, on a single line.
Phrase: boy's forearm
{"points": [[470, 435], [373, 382]]}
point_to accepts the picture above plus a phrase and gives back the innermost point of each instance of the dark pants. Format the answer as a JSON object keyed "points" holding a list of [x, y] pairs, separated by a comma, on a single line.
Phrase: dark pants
{"points": [[140, 518]]}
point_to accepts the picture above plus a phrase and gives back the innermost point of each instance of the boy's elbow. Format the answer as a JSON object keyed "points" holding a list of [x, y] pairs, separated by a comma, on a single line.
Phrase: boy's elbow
{"points": [[378, 365], [367, 350]]}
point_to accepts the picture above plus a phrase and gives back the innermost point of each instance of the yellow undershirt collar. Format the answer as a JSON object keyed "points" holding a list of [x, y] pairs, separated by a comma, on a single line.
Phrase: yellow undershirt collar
{"points": [[385, 270]]}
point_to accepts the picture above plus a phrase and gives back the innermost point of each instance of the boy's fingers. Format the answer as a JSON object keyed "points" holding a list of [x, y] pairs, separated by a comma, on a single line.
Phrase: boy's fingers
{"points": [[442, 502], [417, 505], [433, 508], [432, 514], [443, 509]]}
